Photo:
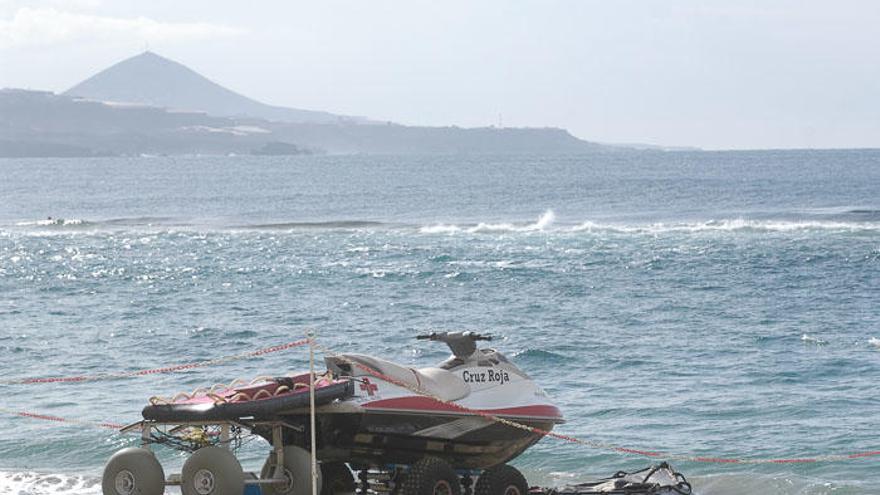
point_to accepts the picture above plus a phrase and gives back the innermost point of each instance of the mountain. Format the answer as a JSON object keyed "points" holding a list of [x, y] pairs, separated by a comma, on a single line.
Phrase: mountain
{"points": [[148, 104], [150, 79]]}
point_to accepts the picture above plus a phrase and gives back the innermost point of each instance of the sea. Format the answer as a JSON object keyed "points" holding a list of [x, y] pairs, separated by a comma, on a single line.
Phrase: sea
{"points": [[694, 304]]}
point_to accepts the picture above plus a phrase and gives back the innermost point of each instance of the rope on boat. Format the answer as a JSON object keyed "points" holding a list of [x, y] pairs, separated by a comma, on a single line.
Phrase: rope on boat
{"points": [[592, 443], [156, 371]]}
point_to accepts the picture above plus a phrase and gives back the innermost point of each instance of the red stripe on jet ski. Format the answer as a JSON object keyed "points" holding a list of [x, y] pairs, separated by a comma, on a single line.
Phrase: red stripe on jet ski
{"points": [[432, 405]]}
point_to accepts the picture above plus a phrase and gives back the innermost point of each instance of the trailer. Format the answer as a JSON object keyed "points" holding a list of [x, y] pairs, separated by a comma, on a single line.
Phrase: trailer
{"points": [[212, 469]]}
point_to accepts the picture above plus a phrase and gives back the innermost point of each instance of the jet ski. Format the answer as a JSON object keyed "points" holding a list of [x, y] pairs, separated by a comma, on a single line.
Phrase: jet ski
{"points": [[386, 420], [406, 431]]}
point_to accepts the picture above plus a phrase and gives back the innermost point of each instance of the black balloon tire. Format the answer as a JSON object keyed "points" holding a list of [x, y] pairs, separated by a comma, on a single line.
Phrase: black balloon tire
{"points": [[226, 472], [429, 474], [503, 479], [145, 471], [337, 479]]}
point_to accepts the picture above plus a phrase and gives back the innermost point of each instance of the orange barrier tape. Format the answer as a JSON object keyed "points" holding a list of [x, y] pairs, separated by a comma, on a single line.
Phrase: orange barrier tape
{"points": [[58, 419], [155, 371]]}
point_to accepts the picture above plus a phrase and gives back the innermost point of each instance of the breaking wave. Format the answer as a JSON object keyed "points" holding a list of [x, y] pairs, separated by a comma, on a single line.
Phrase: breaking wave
{"points": [[53, 222], [737, 224], [809, 339], [543, 223], [547, 223]]}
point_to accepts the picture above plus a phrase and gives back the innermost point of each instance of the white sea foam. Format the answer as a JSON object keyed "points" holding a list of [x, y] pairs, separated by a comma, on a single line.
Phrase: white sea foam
{"points": [[440, 229], [543, 223], [727, 225], [809, 339], [874, 341], [30, 483], [547, 222], [50, 222]]}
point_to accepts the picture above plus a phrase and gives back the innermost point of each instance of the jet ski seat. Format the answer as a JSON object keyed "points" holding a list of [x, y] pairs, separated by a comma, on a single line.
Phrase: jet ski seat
{"points": [[437, 382]]}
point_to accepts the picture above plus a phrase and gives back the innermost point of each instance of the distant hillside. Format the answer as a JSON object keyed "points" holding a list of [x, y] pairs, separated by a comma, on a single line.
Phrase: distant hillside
{"points": [[153, 80], [148, 104], [40, 123]]}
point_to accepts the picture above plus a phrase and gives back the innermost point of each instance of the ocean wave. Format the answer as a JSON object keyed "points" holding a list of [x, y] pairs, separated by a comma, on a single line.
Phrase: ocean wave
{"points": [[134, 221], [31, 483], [165, 223], [728, 225], [777, 484], [548, 223], [440, 229], [333, 224], [863, 211], [53, 222], [538, 354], [545, 223], [809, 339], [78, 223], [842, 210], [541, 224]]}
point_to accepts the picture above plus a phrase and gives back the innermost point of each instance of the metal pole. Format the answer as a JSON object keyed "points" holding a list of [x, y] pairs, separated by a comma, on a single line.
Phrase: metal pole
{"points": [[278, 447], [224, 435], [146, 430], [312, 411]]}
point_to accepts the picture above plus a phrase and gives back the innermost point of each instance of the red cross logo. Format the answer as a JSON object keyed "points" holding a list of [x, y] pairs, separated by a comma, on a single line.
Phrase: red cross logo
{"points": [[371, 388]]}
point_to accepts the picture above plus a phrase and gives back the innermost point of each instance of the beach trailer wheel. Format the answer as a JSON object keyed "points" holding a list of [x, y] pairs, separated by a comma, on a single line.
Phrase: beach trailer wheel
{"points": [[503, 479], [212, 471], [431, 476], [337, 479], [297, 471], [133, 471]]}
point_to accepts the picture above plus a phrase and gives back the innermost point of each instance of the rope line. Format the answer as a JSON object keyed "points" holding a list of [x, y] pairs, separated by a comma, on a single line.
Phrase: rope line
{"points": [[155, 371], [59, 419]]}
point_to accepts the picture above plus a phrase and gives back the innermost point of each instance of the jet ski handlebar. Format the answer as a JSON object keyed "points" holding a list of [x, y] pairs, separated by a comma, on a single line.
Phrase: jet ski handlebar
{"points": [[462, 344]]}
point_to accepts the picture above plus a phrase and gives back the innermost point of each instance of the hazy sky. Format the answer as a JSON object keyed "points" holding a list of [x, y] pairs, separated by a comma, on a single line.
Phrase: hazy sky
{"points": [[716, 74]]}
